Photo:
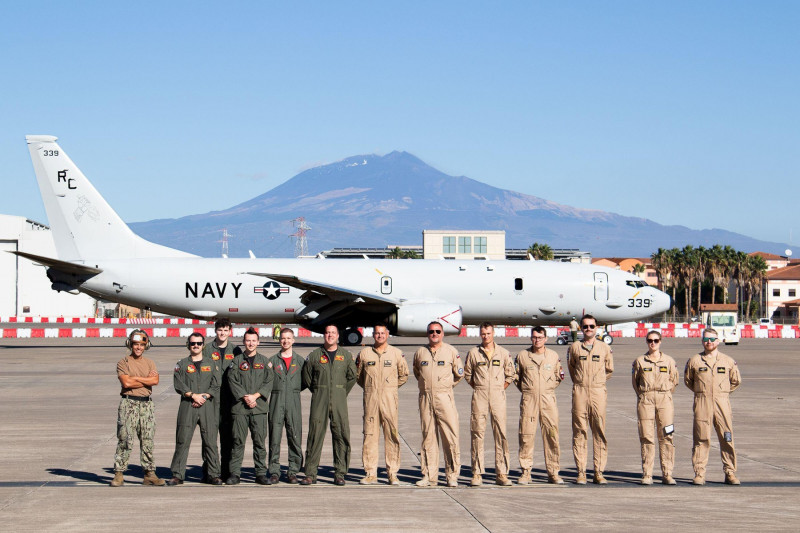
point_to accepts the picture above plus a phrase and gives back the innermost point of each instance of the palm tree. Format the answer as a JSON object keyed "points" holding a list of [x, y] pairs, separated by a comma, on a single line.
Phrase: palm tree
{"points": [[395, 253], [410, 254], [687, 267], [700, 273], [716, 267], [638, 269], [757, 271], [541, 252], [660, 262]]}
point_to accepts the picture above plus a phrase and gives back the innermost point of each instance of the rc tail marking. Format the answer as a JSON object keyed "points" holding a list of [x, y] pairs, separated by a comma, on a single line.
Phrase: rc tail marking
{"points": [[84, 226]]}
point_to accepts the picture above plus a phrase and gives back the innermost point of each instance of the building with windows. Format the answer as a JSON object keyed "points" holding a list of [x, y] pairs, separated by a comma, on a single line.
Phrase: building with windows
{"points": [[463, 244], [782, 293]]}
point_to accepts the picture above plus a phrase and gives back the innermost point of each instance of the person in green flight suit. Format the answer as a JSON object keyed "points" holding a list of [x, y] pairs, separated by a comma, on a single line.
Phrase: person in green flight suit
{"points": [[330, 374], [197, 382], [222, 352], [250, 379], [284, 408]]}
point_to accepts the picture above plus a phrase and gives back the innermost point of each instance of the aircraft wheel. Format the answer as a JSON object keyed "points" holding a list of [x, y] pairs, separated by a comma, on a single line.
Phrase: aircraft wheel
{"points": [[608, 339], [352, 337]]}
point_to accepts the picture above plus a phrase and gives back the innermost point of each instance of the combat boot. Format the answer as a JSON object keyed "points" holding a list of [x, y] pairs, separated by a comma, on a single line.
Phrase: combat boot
{"points": [[424, 482], [599, 479], [150, 478], [477, 481], [452, 480], [667, 479], [730, 479], [698, 480], [117, 481], [581, 479], [647, 480], [555, 479], [369, 479], [393, 479], [502, 480], [524, 478]]}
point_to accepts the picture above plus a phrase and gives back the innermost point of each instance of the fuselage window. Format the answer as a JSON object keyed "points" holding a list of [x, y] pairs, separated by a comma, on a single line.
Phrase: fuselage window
{"points": [[518, 284]]}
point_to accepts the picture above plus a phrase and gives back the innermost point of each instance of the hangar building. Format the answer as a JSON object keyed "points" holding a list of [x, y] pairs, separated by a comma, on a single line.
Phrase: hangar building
{"points": [[24, 287]]}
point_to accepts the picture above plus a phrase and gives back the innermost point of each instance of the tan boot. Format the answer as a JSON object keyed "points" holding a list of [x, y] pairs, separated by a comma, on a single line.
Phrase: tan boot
{"points": [[646, 480], [502, 480], [581, 479], [667, 479], [117, 481], [150, 478], [555, 479], [730, 479], [369, 479], [477, 481], [698, 480], [599, 479], [524, 478], [393, 479]]}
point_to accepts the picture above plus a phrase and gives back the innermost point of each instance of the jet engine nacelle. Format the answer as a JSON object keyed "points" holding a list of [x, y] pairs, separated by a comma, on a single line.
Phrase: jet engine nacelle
{"points": [[413, 319]]}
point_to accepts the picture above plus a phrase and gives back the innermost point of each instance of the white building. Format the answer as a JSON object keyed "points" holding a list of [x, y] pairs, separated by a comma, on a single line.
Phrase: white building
{"points": [[24, 287], [463, 244]]}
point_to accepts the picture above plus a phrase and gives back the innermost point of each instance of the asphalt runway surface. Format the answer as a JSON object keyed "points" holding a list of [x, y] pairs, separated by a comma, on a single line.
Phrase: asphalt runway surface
{"points": [[58, 402]]}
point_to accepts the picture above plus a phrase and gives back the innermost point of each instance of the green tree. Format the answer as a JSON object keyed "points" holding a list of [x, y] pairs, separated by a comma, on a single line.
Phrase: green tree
{"points": [[541, 252], [395, 253], [638, 269], [756, 273]]}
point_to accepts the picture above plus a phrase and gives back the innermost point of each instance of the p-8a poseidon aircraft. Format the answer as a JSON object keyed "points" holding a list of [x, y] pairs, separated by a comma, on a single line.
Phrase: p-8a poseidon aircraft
{"points": [[99, 255]]}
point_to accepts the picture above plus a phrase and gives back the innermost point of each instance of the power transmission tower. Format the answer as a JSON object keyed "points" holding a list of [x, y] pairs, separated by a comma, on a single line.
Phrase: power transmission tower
{"points": [[224, 241], [301, 243]]}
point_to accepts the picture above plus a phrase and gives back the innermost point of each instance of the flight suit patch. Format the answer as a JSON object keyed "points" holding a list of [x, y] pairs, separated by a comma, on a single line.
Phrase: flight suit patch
{"points": [[191, 369], [215, 356], [703, 369], [480, 363], [548, 367], [323, 359], [669, 430], [423, 363], [440, 363], [595, 358], [663, 369], [387, 363], [339, 358], [495, 362], [178, 367], [228, 356], [727, 436], [460, 371], [205, 368], [244, 366], [721, 370], [647, 369], [583, 358], [370, 363], [258, 366]]}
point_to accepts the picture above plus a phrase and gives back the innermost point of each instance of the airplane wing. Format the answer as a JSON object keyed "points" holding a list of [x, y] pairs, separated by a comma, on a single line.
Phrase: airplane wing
{"points": [[331, 291], [61, 266]]}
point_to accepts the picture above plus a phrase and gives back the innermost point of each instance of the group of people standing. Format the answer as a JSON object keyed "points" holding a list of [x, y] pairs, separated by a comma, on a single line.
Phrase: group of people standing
{"points": [[233, 392]]}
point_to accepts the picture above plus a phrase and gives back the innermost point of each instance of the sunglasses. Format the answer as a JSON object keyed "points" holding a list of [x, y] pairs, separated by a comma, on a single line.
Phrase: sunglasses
{"points": [[195, 343], [709, 339], [434, 331], [588, 326], [653, 341], [534, 337]]}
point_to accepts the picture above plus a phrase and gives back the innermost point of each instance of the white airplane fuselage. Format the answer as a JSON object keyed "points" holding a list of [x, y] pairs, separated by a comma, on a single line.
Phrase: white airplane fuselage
{"points": [[99, 255]]}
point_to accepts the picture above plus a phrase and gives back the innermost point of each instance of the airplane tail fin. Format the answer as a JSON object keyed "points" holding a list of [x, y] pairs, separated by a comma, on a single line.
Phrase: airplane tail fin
{"points": [[84, 226]]}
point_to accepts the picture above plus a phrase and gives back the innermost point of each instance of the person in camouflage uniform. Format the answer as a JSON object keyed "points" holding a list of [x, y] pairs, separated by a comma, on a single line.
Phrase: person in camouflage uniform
{"points": [[136, 415]]}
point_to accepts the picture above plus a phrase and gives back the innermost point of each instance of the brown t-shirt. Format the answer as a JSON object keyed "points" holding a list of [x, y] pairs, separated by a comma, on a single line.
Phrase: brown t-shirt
{"points": [[137, 368]]}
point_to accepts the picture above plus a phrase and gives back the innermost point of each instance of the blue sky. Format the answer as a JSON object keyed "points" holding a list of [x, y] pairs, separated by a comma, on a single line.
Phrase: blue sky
{"points": [[681, 112]]}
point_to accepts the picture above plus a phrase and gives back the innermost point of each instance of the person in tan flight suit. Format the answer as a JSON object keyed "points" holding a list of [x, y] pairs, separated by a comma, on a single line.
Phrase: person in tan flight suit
{"points": [[712, 376], [382, 369], [655, 376], [590, 365], [438, 369], [489, 371], [539, 372]]}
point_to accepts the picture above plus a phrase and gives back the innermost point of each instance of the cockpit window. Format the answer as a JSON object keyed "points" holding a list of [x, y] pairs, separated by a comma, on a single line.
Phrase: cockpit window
{"points": [[636, 283]]}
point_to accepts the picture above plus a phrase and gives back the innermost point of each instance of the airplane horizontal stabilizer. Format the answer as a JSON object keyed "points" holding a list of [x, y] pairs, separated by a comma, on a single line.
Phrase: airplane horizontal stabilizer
{"points": [[331, 291], [62, 266]]}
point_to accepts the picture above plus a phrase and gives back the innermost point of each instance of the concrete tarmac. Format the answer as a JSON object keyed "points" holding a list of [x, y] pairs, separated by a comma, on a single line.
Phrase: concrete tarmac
{"points": [[58, 402]]}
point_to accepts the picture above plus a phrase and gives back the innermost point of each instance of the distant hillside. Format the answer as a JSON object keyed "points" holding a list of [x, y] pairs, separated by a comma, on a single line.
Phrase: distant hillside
{"points": [[373, 201]]}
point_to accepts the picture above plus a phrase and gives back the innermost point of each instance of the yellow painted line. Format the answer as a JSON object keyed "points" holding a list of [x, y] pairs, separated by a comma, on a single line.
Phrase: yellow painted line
{"points": [[379, 272]]}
